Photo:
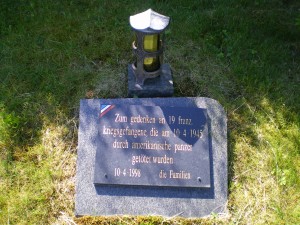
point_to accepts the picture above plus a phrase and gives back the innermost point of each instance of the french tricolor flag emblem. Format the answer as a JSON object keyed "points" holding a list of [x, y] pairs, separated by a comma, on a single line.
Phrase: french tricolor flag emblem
{"points": [[105, 109]]}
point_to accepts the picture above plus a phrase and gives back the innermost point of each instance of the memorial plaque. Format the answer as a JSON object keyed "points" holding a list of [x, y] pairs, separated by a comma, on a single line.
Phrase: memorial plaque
{"points": [[152, 146], [125, 157]]}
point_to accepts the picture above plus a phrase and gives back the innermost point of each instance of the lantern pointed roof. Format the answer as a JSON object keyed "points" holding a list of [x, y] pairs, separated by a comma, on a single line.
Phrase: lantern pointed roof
{"points": [[149, 21]]}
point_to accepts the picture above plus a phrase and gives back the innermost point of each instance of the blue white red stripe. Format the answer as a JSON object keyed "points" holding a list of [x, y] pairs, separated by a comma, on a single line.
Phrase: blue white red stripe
{"points": [[105, 109]]}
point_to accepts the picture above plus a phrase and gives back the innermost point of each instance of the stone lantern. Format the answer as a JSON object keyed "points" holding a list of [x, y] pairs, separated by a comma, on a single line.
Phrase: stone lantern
{"points": [[148, 76]]}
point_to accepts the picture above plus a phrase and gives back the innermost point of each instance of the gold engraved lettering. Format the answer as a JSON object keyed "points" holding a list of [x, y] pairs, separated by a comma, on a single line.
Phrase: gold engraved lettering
{"points": [[120, 119], [120, 144], [163, 160], [184, 121], [162, 174], [179, 175], [120, 132], [154, 132], [183, 148], [142, 119], [165, 133], [151, 145], [140, 159], [162, 120]]}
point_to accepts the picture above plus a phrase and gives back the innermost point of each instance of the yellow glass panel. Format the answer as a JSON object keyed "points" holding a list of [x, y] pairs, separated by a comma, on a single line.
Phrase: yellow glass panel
{"points": [[151, 44]]}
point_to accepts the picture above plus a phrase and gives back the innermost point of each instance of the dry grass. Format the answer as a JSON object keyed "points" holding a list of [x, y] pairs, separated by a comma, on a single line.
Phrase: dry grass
{"points": [[259, 184], [42, 178], [59, 143], [153, 220]]}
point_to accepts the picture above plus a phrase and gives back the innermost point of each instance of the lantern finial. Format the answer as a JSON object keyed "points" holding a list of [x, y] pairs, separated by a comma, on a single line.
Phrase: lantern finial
{"points": [[149, 20]]}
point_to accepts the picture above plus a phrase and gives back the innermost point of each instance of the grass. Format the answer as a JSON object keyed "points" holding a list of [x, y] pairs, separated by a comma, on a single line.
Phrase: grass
{"points": [[245, 54]]}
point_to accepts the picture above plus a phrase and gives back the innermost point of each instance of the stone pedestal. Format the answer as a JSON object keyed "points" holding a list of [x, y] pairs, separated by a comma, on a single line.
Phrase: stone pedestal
{"points": [[161, 86]]}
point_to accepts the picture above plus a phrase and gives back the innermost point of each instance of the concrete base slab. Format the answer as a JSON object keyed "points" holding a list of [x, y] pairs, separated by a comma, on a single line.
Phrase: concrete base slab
{"points": [[95, 200]]}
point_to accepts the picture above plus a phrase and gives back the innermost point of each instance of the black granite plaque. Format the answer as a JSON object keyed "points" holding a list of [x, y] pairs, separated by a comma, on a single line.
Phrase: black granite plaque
{"points": [[152, 146]]}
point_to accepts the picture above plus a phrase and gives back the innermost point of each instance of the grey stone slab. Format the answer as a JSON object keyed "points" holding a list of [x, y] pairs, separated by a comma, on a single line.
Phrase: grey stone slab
{"points": [[93, 199], [161, 86]]}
